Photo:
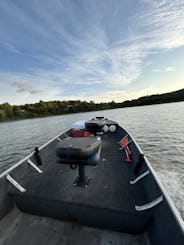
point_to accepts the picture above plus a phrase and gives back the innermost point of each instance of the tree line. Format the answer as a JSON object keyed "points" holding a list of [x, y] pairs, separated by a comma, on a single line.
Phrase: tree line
{"points": [[51, 108]]}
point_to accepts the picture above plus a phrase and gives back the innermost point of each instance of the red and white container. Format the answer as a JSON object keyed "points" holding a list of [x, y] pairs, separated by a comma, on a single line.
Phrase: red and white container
{"points": [[79, 130]]}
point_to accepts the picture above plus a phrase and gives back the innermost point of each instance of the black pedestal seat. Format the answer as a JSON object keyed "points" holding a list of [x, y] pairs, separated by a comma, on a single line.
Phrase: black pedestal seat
{"points": [[79, 152]]}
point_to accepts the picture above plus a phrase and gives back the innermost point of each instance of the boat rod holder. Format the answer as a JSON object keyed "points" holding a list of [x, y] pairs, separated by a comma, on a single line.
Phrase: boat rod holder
{"points": [[37, 156]]}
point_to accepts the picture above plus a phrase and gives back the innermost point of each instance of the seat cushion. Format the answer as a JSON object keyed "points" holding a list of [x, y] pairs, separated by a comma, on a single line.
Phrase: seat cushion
{"points": [[84, 151]]}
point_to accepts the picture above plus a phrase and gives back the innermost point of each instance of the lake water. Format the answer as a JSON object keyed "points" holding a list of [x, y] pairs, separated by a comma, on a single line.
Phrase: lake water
{"points": [[158, 129]]}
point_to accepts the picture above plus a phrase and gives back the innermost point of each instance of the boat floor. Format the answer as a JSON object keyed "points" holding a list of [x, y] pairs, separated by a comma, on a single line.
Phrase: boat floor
{"points": [[108, 202], [32, 230]]}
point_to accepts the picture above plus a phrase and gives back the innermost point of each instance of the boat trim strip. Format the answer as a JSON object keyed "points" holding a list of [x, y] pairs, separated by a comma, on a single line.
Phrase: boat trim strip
{"points": [[15, 183], [34, 166], [150, 204], [132, 182]]}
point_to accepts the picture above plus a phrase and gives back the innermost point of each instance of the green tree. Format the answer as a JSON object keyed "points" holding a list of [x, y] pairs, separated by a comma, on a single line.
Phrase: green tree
{"points": [[7, 108], [2, 115]]}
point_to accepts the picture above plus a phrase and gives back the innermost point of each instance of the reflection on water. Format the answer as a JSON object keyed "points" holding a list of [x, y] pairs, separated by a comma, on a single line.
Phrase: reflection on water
{"points": [[158, 129]]}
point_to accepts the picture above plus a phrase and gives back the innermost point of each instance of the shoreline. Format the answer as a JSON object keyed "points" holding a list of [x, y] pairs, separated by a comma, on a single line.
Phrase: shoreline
{"points": [[37, 117]]}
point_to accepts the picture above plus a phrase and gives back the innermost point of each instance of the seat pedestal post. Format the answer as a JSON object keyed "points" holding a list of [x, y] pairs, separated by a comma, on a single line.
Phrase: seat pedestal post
{"points": [[81, 180]]}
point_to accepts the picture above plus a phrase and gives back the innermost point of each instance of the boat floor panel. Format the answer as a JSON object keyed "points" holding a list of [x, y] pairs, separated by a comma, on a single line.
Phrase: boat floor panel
{"points": [[32, 230]]}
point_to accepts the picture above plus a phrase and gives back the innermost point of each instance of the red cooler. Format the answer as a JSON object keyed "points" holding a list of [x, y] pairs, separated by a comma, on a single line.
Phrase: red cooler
{"points": [[79, 130]]}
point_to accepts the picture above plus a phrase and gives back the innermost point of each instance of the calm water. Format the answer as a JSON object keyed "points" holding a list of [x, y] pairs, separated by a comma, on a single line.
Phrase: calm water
{"points": [[159, 130]]}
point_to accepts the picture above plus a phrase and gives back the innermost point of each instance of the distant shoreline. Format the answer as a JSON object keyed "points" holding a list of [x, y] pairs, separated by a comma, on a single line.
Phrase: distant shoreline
{"points": [[43, 109], [68, 113]]}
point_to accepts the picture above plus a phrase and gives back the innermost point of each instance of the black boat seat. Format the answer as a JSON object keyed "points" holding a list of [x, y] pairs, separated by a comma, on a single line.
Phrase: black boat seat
{"points": [[79, 151]]}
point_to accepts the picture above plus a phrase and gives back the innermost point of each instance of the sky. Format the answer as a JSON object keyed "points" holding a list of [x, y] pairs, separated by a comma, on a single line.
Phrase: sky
{"points": [[100, 50]]}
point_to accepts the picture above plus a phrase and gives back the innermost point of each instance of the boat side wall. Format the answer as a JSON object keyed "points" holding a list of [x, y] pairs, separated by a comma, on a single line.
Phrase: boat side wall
{"points": [[6, 203], [167, 226]]}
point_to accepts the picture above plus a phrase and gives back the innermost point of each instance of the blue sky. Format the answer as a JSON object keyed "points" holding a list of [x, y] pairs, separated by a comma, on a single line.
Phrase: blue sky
{"points": [[98, 50]]}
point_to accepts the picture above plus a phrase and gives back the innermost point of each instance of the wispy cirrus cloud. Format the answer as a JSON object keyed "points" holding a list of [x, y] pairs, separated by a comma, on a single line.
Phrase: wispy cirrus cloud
{"points": [[10, 47], [163, 23], [92, 47]]}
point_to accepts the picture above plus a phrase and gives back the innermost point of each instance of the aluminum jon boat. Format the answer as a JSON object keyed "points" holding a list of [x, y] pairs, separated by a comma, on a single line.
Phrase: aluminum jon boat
{"points": [[89, 185]]}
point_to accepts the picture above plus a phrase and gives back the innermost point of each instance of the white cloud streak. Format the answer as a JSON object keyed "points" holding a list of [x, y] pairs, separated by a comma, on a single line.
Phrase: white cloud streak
{"points": [[170, 68]]}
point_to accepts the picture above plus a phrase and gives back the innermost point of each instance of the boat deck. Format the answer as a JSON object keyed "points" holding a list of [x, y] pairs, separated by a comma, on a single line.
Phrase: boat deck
{"points": [[108, 202]]}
